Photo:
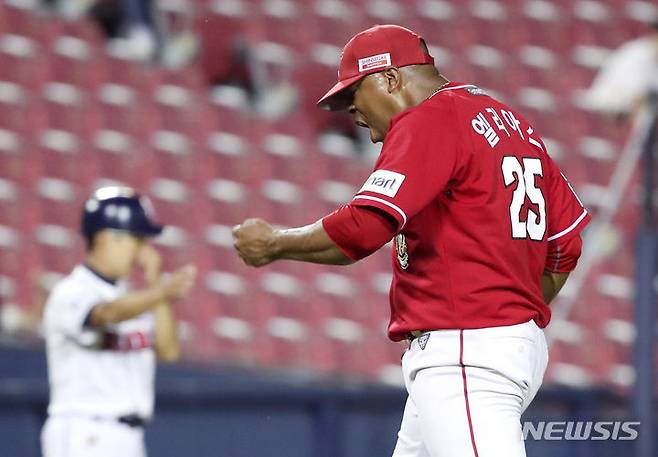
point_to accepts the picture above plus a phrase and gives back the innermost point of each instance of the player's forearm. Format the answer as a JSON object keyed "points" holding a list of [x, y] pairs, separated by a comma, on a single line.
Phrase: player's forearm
{"points": [[551, 283], [167, 347], [128, 306], [308, 244], [135, 303]]}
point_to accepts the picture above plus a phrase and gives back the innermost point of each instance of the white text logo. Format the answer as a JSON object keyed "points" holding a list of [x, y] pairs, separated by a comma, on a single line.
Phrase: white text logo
{"points": [[378, 61], [383, 182], [581, 430]]}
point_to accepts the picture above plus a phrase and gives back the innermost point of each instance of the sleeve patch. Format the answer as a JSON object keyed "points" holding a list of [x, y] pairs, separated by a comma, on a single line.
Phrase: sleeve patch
{"points": [[383, 182]]}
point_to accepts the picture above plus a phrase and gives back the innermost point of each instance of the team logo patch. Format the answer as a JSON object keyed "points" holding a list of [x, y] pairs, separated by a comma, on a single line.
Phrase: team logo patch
{"points": [[422, 340], [401, 251], [383, 182], [378, 61], [475, 91]]}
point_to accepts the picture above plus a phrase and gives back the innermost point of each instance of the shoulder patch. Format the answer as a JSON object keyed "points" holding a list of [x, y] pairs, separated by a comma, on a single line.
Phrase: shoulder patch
{"points": [[383, 182], [400, 245]]}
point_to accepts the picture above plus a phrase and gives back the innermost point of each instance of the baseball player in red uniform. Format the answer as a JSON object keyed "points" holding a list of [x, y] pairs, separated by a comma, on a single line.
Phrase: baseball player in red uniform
{"points": [[486, 231]]}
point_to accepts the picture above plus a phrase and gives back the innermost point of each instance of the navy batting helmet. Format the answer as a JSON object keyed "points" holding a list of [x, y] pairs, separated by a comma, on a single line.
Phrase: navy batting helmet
{"points": [[118, 208]]}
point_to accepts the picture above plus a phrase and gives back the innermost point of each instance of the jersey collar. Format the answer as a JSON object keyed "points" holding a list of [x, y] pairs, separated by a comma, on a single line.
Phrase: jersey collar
{"points": [[102, 277], [451, 86]]}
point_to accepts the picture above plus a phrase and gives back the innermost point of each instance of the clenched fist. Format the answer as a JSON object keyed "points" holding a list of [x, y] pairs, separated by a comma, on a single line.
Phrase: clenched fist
{"points": [[255, 241]]}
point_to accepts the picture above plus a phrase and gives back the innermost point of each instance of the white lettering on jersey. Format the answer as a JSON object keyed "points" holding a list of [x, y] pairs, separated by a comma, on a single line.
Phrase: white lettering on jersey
{"points": [[532, 141], [482, 127], [535, 224], [513, 122], [378, 61], [383, 182], [497, 120]]}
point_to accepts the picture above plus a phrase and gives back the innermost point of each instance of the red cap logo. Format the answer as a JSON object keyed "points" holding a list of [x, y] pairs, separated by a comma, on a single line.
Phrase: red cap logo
{"points": [[373, 50]]}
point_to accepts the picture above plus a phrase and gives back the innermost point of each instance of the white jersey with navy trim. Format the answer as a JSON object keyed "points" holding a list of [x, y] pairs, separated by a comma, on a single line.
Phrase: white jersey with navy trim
{"points": [[106, 372]]}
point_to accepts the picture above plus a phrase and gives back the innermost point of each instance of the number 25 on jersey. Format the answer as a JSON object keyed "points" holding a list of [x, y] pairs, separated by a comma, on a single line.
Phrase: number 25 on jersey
{"points": [[513, 171]]}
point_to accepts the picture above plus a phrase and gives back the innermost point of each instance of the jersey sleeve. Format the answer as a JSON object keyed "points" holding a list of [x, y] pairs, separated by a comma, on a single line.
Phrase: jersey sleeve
{"points": [[566, 215], [359, 231], [563, 254], [67, 311], [417, 162]]}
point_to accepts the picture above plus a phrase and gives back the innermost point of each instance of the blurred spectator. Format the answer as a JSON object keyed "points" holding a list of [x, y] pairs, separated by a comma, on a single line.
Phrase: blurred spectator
{"points": [[129, 23], [175, 19], [270, 68], [143, 30], [627, 77]]}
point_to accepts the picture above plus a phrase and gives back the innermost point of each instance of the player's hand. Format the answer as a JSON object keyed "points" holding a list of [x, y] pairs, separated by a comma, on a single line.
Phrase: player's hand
{"points": [[254, 240], [150, 261], [179, 283]]}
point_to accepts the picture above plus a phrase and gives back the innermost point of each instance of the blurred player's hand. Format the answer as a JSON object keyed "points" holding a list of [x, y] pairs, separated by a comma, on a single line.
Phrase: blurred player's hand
{"points": [[179, 283], [254, 240], [150, 261]]}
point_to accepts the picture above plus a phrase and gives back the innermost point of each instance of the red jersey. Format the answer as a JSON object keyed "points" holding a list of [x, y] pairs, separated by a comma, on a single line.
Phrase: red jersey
{"points": [[477, 199]]}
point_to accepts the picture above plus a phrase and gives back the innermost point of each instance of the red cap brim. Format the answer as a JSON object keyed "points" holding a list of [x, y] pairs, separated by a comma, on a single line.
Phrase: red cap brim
{"points": [[331, 99]]}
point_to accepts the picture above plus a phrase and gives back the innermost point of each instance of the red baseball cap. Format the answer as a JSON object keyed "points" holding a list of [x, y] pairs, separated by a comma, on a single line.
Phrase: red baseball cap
{"points": [[374, 50]]}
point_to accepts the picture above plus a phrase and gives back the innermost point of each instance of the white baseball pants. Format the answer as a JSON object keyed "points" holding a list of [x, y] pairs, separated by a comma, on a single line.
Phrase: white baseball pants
{"points": [[81, 436], [467, 390]]}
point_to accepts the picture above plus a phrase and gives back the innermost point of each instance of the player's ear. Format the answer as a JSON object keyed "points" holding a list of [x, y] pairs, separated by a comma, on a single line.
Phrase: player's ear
{"points": [[393, 78]]}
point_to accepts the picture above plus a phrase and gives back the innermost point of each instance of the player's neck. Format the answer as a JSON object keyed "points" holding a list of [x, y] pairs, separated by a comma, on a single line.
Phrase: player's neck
{"points": [[93, 262], [425, 88]]}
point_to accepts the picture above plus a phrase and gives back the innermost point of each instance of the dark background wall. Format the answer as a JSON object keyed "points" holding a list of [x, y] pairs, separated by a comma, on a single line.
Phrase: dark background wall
{"points": [[238, 413]]}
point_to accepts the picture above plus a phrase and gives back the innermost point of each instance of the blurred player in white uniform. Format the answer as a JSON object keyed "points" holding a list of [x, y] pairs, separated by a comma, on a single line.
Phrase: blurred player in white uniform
{"points": [[103, 339]]}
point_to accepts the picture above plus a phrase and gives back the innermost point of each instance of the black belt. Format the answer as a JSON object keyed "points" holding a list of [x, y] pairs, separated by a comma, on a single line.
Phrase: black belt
{"points": [[412, 335], [132, 420]]}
